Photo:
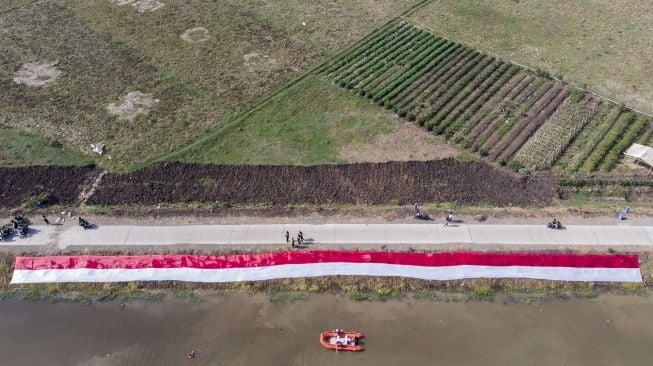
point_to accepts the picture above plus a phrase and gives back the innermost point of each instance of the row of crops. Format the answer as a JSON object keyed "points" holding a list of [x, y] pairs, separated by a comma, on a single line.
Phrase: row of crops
{"points": [[484, 104]]}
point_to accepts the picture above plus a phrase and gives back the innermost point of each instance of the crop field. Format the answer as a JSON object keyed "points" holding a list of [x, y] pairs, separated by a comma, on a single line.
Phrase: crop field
{"points": [[509, 114], [606, 45]]}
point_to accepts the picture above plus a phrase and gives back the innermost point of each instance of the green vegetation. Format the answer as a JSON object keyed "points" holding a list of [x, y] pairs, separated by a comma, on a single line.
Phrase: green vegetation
{"points": [[587, 42], [607, 142], [485, 104], [548, 143], [311, 122], [21, 149]]}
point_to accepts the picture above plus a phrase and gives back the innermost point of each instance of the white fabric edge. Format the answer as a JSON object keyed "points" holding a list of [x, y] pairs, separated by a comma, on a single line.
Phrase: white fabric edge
{"points": [[326, 269]]}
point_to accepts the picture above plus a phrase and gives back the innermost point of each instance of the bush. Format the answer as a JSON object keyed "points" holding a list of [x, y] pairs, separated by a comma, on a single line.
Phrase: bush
{"points": [[515, 166], [411, 116], [577, 95], [543, 73]]}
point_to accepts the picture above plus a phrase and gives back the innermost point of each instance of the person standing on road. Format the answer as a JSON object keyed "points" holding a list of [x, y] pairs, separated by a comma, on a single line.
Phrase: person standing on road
{"points": [[287, 237], [300, 237], [449, 218], [45, 219], [292, 245]]}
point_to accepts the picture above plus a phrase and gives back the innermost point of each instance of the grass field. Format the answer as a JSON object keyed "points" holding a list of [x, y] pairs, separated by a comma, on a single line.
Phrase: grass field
{"points": [[315, 122], [604, 44], [21, 149]]}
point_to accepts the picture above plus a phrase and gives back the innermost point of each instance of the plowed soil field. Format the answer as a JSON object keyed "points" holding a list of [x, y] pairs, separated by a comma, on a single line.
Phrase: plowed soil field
{"points": [[53, 184], [395, 182]]}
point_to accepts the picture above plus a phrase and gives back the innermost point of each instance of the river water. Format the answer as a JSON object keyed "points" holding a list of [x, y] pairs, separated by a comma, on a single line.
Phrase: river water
{"points": [[239, 329]]}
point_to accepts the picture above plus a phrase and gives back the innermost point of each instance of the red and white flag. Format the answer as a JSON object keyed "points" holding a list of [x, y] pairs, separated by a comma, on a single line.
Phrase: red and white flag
{"points": [[274, 265]]}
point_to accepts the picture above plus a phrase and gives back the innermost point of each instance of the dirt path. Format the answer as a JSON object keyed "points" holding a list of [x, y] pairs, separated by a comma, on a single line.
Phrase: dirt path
{"points": [[249, 330]]}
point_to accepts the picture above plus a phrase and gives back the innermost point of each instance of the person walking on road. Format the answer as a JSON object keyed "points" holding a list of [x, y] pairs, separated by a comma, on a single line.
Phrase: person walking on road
{"points": [[300, 237], [292, 245], [287, 237], [45, 219], [449, 218]]}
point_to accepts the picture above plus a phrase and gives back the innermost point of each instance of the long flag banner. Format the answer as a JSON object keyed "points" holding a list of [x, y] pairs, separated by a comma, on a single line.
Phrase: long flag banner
{"points": [[275, 265]]}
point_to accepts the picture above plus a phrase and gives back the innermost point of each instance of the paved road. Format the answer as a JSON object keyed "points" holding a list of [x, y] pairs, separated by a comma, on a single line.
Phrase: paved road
{"points": [[339, 234]]}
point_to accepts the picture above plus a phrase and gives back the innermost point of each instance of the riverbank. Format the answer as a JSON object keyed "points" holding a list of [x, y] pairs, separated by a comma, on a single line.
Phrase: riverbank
{"points": [[354, 287]]}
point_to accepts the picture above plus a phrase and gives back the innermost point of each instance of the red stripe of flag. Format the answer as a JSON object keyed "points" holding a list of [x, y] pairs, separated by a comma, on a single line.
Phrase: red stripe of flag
{"points": [[281, 258]]}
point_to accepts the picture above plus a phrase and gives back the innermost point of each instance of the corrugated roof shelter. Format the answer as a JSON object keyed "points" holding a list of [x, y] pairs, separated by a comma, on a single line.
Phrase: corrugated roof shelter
{"points": [[641, 153]]}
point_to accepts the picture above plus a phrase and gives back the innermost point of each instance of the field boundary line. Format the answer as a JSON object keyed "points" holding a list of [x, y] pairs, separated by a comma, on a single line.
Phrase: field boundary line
{"points": [[534, 70]]}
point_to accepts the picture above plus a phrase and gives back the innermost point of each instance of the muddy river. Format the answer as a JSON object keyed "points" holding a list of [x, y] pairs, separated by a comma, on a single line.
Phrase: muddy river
{"points": [[249, 330]]}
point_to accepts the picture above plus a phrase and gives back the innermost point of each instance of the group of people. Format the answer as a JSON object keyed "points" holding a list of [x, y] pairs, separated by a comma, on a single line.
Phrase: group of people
{"points": [[295, 243], [420, 215]]}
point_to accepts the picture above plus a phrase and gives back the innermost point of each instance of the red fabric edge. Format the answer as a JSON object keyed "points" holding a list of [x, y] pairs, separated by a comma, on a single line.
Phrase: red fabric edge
{"points": [[305, 257]]}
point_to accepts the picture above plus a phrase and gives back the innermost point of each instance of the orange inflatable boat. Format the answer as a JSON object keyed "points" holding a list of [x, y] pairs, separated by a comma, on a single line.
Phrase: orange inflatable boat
{"points": [[339, 340]]}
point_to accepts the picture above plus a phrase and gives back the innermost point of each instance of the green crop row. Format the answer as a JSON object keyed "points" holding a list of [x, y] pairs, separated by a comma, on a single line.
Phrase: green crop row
{"points": [[441, 101], [581, 182], [459, 131], [449, 76], [607, 142], [389, 48], [365, 47], [629, 136], [415, 71], [487, 76], [421, 87], [373, 75], [379, 83]]}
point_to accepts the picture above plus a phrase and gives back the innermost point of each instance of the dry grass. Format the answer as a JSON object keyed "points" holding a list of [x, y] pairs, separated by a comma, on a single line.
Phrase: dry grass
{"points": [[273, 31], [95, 72], [584, 41]]}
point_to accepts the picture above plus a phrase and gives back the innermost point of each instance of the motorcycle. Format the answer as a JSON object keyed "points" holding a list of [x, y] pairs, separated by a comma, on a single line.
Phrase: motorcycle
{"points": [[5, 231], [85, 224], [557, 225]]}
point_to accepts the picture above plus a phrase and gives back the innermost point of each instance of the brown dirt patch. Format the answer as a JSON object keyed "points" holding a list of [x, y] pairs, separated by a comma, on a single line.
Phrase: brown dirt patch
{"points": [[406, 142], [141, 5], [257, 62], [195, 35], [53, 184], [394, 182], [34, 74], [132, 104]]}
